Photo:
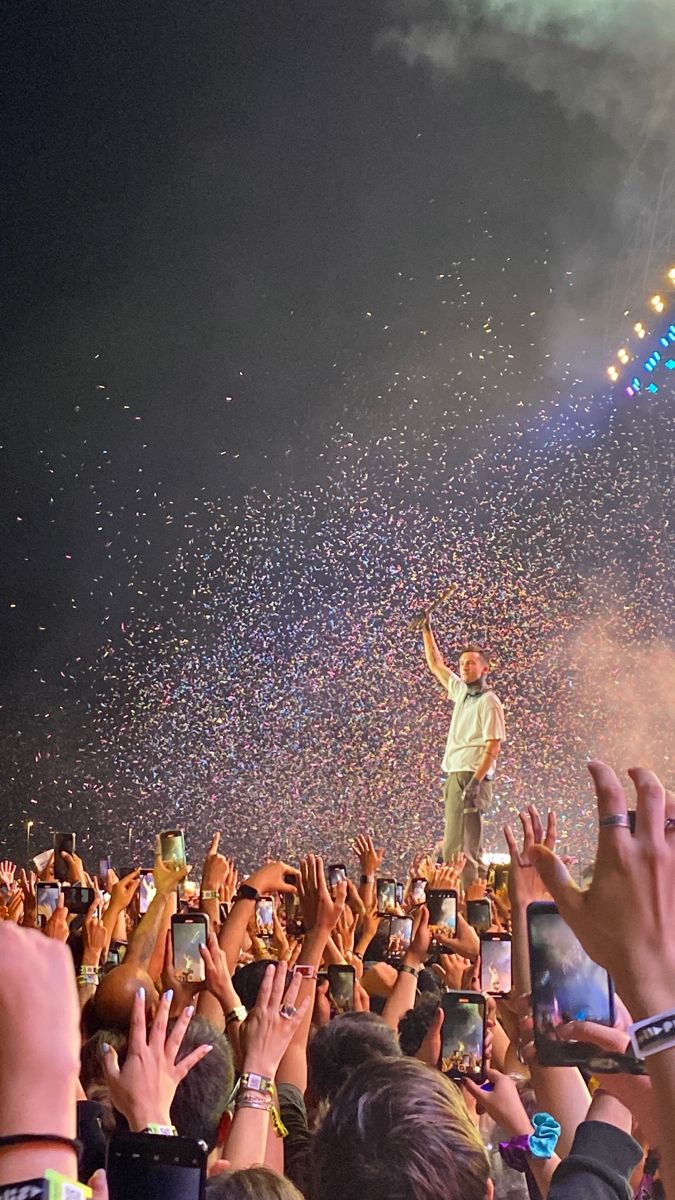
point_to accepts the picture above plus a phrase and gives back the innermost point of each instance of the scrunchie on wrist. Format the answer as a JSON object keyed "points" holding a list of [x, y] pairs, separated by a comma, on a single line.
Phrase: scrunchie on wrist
{"points": [[541, 1143]]}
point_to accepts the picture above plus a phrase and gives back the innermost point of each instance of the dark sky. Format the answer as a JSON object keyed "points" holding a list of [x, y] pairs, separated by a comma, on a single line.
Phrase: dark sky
{"points": [[227, 232]]}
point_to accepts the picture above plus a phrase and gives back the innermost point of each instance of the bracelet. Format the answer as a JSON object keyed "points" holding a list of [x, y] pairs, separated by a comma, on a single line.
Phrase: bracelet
{"points": [[541, 1143], [209, 894], [367, 879], [410, 970], [653, 1035], [239, 1013], [247, 1099], [256, 1083], [88, 976], [29, 1139]]}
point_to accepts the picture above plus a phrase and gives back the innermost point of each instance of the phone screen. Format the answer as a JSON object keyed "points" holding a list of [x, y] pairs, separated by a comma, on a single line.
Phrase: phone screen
{"points": [[463, 1035], [495, 965], [188, 936], [418, 891], [442, 907], [337, 873], [400, 936], [146, 1170], [104, 865], [172, 843], [386, 895], [341, 987], [264, 916], [293, 912], [566, 984], [479, 914], [79, 899], [47, 898], [146, 891]]}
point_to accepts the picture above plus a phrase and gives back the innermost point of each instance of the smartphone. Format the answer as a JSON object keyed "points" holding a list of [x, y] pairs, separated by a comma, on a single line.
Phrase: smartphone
{"points": [[146, 1166], [341, 987], [337, 873], [79, 899], [463, 1035], [189, 931], [399, 894], [566, 986], [400, 936], [418, 890], [479, 914], [495, 963], [146, 889], [500, 880], [116, 953], [442, 905], [294, 922], [264, 916], [47, 898], [104, 865], [172, 844], [386, 895], [62, 841]]}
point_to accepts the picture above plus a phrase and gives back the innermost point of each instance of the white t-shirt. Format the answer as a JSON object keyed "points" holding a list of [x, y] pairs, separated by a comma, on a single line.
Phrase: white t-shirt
{"points": [[477, 718]]}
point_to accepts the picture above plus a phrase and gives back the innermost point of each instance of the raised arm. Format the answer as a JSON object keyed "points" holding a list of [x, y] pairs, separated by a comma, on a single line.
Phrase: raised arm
{"points": [[434, 657]]}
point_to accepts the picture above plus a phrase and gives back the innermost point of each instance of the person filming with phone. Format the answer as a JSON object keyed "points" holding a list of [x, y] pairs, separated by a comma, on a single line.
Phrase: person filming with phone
{"points": [[477, 730]]}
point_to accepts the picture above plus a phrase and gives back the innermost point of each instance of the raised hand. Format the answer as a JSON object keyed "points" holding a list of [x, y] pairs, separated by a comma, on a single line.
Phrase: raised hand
{"points": [[320, 910], [7, 873], [95, 937], [167, 875], [215, 867], [525, 885], [367, 854], [269, 1027], [464, 942], [57, 925], [270, 878], [76, 872], [144, 1088], [122, 891], [218, 978]]}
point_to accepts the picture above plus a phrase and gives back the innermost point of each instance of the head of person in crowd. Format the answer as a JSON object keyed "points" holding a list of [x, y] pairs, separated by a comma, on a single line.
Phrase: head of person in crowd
{"points": [[337, 1049], [419, 1030], [256, 1183], [200, 1107], [116, 993], [398, 1129], [248, 980]]}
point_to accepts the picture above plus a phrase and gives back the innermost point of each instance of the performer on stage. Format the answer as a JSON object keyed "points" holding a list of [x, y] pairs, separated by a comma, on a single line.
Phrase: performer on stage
{"points": [[477, 731]]}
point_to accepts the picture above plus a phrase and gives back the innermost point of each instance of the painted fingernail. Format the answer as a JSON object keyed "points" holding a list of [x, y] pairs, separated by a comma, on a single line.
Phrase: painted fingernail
{"points": [[206, 1048], [168, 995], [189, 1010], [141, 993], [105, 1047]]}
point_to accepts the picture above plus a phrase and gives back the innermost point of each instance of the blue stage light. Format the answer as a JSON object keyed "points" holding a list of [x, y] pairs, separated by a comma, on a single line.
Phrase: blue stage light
{"points": [[664, 342], [649, 366], [652, 388], [670, 364], [636, 384]]}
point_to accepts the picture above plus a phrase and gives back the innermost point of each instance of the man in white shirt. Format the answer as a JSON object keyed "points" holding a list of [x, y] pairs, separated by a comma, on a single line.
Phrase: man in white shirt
{"points": [[477, 731]]}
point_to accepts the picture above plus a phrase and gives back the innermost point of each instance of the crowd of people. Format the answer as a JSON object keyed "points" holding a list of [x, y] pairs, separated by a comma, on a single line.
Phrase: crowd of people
{"points": [[297, 1049]]}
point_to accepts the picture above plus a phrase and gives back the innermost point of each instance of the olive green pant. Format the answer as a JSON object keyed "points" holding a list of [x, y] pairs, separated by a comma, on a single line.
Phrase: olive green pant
{"points": [[464, 822]]}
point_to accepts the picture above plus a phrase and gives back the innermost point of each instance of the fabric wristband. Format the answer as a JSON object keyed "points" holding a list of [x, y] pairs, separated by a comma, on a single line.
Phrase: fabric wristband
{"points": [[367, 879], [32, 1139], [653, 1035], [541, 1143], [209, 894]]}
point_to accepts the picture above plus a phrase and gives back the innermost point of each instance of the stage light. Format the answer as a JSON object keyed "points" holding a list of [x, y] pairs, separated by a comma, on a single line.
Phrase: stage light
{"points": [[613, 374], [664, 342], [657, 304], [624, 356], [630, 391], [640, 329], [636, 384], [652, 388], [671, 275], [670, 364]]}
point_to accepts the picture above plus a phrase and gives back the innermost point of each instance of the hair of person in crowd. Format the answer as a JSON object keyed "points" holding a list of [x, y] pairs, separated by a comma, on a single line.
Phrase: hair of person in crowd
{"points": [[398, 1128], [338, 1048]]}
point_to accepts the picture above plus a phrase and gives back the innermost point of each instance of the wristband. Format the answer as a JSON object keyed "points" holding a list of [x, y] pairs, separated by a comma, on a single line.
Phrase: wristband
{"points": [[305, 971], [209, 894], [250, 1082], [239, 1013], [31, 1139], [367, 879], [541, 1143], [410, 970], [161, 1130], [246, 892], [50, 1186], [653, 1035]]}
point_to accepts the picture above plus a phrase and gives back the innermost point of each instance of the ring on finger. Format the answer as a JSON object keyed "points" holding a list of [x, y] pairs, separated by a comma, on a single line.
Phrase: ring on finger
{"points": [[288, 1011]]}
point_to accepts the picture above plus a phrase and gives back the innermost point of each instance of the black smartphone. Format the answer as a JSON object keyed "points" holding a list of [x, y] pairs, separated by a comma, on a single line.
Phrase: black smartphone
{"points": [[264, 916], [400, 936], [566, 986], [337, 873], [385, 890], [146, 1166], [418, 890], [146, 889], [189, 931], [463, 1035], [341, 987], [294, 922], [47, 898], [399, 894], [62, 841], [79, 899], [495, 963], [442, 905], [479, 914]]}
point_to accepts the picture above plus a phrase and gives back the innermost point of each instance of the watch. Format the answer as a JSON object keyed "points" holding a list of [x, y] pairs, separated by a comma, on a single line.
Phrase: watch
{"points": [[161, 1130], [410, 970], [239, 1013], [246, 892]]}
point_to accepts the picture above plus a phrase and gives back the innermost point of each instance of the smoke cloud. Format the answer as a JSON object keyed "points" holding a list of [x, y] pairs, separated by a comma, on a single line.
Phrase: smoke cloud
{"points": [[612, 60]]}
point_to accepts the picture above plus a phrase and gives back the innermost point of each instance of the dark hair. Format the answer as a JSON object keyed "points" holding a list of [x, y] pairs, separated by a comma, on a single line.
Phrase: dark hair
{"points": [[428, 982], [398, 1129], [344, 1044], [202, 1097], [472, 648], [416, 1023], [255, 1183], [247, 980]]}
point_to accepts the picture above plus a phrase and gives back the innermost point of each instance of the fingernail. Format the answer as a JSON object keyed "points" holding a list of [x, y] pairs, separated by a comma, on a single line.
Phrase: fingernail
{"points": [[206, 1048], [105, 1047], [189, 1010], [168, 995], [141, 993]]}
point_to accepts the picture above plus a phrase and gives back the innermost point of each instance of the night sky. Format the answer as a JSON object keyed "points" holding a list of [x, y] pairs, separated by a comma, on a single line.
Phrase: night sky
{"points": [[297, 332]]}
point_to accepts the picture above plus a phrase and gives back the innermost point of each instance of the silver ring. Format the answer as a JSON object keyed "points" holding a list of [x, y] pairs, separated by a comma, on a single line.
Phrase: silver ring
{"points": [[615, 821], [670, 824], [288, 1011]]}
